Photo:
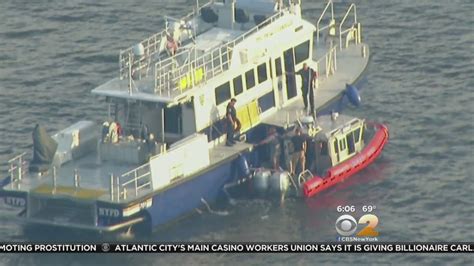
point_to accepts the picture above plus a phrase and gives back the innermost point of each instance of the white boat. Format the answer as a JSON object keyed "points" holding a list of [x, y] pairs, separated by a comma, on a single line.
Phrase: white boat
{"points": [[175, 85]]}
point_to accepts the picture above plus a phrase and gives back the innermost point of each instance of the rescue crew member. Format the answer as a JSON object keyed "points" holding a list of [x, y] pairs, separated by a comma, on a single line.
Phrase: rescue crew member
{"points": [[299, 150], [144, 133], [232, 122], [151, 145], [105, 132], [113, 134], [119, 130], [307, 77], [273, 143]]}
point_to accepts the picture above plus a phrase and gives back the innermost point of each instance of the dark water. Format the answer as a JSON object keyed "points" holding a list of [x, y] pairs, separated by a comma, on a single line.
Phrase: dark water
{"points": [[420, 80]]}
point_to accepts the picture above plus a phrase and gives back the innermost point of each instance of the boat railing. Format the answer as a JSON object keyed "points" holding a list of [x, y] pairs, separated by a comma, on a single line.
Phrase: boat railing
{"points": [[326, 64], [352, 31], [18, 168], [171, 77], [153, 45], [130, 183], [332, 23]]}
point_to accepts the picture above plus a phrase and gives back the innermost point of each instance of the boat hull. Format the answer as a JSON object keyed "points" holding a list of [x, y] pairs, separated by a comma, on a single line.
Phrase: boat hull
{"points": [[188, 196]]}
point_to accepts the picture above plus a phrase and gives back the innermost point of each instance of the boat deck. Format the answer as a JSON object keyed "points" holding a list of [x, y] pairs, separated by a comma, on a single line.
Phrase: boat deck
{"points": [[94, 181], [350, 65], [94, 174], [221, 152]]}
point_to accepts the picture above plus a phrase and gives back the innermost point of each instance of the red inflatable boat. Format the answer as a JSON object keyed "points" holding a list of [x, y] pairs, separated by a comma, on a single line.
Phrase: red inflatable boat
{"points": [[351, 166]]}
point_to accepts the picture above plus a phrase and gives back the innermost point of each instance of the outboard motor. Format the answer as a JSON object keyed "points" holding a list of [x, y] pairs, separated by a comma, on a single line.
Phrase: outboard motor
{"points": [[279, 182], [353, 95], [243, 165]]}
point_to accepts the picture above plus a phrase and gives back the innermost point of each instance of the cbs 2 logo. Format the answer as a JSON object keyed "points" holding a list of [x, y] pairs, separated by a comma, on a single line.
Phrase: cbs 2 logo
{"points": [[346, 225]]}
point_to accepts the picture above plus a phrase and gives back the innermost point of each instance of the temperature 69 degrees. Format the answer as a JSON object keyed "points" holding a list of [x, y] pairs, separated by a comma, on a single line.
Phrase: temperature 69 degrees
{"points": [[368, 208]]}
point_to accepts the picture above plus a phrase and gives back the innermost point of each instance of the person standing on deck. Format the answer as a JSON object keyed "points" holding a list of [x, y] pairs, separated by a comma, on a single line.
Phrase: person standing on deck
{"points": [[232, 122], [298, 156], [307, 77]]}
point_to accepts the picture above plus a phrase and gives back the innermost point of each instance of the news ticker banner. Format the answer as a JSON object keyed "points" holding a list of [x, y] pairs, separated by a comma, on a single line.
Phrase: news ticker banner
{"points": [[279, 247]]}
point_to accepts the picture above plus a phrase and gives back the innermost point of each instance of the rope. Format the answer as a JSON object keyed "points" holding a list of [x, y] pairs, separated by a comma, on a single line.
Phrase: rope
{"points": [[220, 213]]}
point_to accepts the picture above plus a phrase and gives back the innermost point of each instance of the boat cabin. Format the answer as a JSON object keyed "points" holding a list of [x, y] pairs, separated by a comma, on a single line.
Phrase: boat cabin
{"points": [[340, 137], [228, 49]]}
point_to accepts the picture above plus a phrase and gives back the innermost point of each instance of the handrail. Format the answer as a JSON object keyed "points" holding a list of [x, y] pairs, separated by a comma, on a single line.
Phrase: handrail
{"points": [[321, 17], [151, 46], [17, 157], [142, 172], [330, 59], [207, 58], [352, 6], [17, 168]]}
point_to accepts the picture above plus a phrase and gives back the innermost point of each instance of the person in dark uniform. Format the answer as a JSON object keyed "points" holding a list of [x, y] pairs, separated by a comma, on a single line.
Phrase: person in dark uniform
{"points": [[307, 76], [144, 133], [232, 122], [299, 150], [151, 145]]}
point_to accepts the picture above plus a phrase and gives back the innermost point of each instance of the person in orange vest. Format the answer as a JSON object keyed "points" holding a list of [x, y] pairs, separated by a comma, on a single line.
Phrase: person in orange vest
{"points": [[119, 129]]}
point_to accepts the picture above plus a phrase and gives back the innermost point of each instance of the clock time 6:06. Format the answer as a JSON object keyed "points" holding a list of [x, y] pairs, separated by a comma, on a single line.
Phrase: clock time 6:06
{"points": [[345, 208]]}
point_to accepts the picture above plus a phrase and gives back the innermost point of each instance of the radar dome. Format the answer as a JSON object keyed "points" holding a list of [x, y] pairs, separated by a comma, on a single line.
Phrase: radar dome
{"points": [[138, 50]]}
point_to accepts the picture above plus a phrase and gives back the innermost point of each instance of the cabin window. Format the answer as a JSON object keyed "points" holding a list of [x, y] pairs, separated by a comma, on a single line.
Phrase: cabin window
{"points": [[262, 72], [350, 143], [336, 150], [267, 101], [238, 85], [357, 135], [223, 93], [342, 144], [278, 67], [250, 79], [301, 52]]}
